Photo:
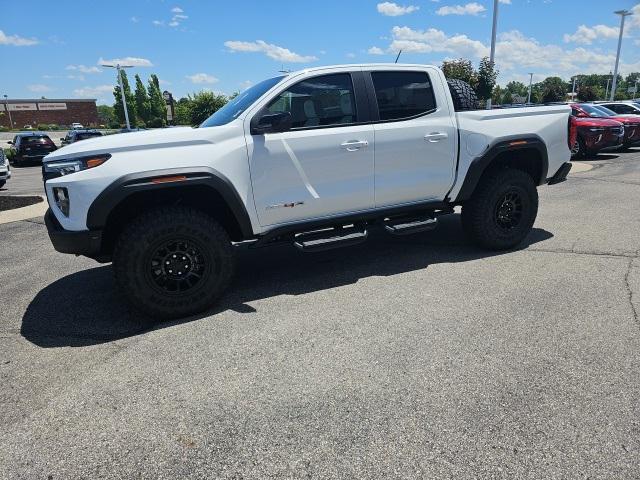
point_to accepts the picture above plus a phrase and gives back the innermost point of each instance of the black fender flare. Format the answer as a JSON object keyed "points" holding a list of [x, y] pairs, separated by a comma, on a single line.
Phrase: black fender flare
{"points": [[127, 185], [480, 164]]}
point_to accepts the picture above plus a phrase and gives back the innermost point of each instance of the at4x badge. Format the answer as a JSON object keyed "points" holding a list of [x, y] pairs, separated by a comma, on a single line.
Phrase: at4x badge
{"points": [[285, 205]]}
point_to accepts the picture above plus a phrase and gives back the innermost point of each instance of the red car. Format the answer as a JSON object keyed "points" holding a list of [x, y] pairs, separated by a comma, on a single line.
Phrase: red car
{"points": [[595, 133], [631, 122]]}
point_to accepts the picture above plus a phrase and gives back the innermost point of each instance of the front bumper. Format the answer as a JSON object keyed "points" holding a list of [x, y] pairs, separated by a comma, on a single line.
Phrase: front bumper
{"points": [[560, 175], [84, 242]]}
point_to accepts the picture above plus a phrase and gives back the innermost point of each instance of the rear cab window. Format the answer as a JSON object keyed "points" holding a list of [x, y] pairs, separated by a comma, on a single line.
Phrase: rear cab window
{"points": [[403, 95], [37, 140]]}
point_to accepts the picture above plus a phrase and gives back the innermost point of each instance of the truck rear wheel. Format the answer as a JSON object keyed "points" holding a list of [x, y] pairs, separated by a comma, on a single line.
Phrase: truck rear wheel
{"points": [[502, 210], [173, 262]]}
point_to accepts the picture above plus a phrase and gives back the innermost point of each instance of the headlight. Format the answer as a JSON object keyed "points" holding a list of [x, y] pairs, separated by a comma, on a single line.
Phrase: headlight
{"points": [[596, 129], [65, 167]]}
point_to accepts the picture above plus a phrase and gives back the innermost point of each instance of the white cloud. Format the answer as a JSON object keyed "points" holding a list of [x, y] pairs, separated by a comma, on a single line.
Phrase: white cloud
{"points": [[177, 10], [506, 2], [246, 84], [158, 23], [472, 8], [84, 68], [202, 78], [93, 92], [374, 51], [275, 52], [134, 19], [76, 77], [391, 9], [39, 88], [515, 53], [433, 40], [586, 35], [133, 61], [16, 40], [351, 55]]}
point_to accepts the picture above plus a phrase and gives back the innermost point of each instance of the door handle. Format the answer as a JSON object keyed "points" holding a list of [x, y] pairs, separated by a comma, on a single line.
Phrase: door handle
{"points": [[435, 137], [353, 145]]}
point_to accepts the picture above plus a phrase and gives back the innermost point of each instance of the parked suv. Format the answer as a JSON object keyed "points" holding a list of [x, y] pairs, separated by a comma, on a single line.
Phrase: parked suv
{"points": [[630, 107], [631, 124], [595, 132], [315, 158], [5, 169], [30, 147], [77, 135]]}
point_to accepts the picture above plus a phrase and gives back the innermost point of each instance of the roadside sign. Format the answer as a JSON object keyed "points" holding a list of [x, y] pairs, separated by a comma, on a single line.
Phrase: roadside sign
{"points": [[52, 106], [15, 107]]}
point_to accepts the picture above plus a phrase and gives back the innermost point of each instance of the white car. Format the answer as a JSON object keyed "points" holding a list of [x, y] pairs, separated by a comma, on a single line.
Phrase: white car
{"points": [[77, 126], [626, 107], [315, 158], [5, 169]]}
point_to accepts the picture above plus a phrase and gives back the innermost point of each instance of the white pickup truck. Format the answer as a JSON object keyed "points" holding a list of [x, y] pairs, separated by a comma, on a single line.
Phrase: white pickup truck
{"points": [[316, 158]]}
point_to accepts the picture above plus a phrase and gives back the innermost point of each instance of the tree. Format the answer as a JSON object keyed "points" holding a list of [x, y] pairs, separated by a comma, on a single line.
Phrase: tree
{"points": [[131, 106], [461, 69], [143, 104], [183, 111], [517, 88], [157, 105], [204, 104], [587, 94], [496, 96], [508, 98], [107, 116], [486, 76], [554, 89]]}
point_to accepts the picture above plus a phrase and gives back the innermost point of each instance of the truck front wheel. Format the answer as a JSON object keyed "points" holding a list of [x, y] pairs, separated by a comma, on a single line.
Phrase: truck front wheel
{"points": [[173, 262], [502, 210]]}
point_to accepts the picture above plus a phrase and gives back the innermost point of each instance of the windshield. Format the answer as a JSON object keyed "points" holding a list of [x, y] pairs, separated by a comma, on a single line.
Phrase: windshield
{"points": [[594, 111], [235, 107], [605, 110]]}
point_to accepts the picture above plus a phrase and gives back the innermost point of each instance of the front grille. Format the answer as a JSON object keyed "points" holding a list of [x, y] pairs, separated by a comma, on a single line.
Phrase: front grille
{"points": [[2, 157]]}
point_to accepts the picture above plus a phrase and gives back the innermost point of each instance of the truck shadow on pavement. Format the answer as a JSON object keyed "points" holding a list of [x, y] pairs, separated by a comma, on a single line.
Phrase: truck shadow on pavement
{"points": [[85, 308]]}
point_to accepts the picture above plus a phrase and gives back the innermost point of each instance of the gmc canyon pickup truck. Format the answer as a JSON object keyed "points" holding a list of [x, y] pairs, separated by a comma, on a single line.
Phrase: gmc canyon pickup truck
{"points": [[316, 158]]}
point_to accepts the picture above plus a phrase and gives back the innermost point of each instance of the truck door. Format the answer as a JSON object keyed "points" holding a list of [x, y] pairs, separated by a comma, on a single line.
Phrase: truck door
{"points": [[415, 150], [322, 166]]}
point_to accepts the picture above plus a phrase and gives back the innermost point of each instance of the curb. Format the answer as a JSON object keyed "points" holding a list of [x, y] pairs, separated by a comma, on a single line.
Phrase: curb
{"points": [[24, 213]]}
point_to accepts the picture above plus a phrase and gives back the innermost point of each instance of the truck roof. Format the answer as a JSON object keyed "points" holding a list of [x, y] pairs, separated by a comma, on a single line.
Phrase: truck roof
{"points": [[360, 65]]}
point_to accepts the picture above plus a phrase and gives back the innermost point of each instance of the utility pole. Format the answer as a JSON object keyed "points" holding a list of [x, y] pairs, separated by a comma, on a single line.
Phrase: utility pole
{"points": [[6, 106], [494, 31], [118, 68], [573, 90], [530, 83], [623, 14]]}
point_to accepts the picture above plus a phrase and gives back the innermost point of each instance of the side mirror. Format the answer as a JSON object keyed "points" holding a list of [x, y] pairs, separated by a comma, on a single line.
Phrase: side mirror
{"points": [[271, 123], [582, 115], [10, 142]]}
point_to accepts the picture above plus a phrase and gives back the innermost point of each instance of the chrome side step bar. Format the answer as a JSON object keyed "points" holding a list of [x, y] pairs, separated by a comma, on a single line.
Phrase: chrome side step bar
{"points": [[331, 238], [408, 226]]}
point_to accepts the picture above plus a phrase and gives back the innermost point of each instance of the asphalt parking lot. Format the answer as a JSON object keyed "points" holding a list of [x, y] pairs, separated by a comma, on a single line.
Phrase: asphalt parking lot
{"points": [[412, 357]]}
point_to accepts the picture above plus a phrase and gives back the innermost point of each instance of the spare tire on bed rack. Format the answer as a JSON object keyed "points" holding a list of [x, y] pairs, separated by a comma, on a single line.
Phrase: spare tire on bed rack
{"points": [[464, 98]]}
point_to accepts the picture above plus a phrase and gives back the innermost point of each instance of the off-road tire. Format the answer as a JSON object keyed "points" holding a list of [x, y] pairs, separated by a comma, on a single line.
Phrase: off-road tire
{"points": [[483, 217], [464, 98], [139, 274]]}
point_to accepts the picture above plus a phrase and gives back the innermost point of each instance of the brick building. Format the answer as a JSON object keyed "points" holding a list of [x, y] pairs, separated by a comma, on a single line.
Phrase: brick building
{"points": [[35, 112]]}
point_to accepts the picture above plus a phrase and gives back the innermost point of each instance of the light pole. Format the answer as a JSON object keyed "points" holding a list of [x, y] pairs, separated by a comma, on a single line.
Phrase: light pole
{"points": [[494, 30], [573, 90], [530, 83], [119, 67], [606, 92], [6, 107], [623, 14]]}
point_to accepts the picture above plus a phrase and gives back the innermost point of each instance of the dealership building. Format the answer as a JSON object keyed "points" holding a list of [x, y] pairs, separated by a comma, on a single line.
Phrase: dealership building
{"points": [[34, 112]]}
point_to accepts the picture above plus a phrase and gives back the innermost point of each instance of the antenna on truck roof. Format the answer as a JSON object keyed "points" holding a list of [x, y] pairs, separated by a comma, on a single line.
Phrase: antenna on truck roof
{"points": [[398, 56]]}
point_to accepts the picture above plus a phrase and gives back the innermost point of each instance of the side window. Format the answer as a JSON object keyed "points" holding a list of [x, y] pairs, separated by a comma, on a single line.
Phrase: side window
{"points": [[574, 112], [403, 94], [318, 101], [622, 108]]}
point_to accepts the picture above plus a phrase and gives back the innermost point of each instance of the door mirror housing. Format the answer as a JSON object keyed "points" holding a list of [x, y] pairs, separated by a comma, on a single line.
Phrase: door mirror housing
{"points": [[271, 123], [10, 142]]}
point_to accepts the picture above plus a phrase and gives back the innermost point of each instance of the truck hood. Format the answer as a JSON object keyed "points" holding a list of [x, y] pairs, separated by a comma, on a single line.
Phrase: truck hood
{"points": [[596, 122], [145, 140]]}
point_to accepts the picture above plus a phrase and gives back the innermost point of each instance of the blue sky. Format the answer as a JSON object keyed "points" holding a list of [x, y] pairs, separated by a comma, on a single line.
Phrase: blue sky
{"points": [[55, 50]]}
